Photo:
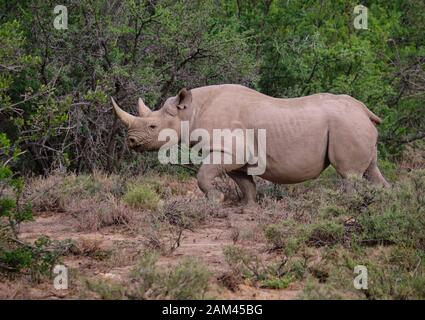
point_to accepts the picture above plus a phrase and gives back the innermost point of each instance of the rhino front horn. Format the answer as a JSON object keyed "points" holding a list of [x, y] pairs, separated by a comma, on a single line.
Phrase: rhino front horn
{"points": [[143, 109], [125, 117]]}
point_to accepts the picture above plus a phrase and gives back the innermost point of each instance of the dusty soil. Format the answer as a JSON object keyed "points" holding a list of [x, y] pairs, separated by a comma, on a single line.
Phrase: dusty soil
{"points": [[206, 242]]}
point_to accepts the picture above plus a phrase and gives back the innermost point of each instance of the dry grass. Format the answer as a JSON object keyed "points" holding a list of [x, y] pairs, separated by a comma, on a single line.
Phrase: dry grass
{"points": [[311, 234], [95, 213]]}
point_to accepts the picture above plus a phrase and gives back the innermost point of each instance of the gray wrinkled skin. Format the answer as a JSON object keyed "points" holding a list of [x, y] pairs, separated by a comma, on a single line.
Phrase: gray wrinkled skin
{"points": [[304, 135]]}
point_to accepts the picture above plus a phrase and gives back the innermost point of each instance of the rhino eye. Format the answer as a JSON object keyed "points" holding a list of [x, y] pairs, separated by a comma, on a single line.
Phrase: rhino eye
{"points": [[152, 126]]}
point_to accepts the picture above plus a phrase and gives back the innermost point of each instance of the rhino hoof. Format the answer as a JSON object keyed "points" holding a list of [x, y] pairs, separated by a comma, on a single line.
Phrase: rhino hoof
{"points": [[249, 208]]}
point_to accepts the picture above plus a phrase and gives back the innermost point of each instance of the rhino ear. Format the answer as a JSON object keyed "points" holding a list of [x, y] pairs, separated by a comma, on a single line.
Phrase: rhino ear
{"points": [[184, 99], [181, 102]]}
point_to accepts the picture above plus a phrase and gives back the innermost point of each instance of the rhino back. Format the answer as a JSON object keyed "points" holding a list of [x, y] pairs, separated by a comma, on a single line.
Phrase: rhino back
{"points": [[298, 129]]}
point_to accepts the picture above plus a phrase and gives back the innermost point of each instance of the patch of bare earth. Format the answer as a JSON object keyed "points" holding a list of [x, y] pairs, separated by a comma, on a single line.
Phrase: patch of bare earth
{"points": [[111, 253]]}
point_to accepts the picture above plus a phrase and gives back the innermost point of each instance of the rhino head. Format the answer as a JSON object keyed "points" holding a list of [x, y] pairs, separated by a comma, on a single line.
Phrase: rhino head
{"points": [[143, 131]]}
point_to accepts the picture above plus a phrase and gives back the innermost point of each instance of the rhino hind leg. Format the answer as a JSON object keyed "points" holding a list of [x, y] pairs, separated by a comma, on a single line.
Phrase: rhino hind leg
{"points": [[352, 152], [374, 175], [247, 186], [371, 173]]}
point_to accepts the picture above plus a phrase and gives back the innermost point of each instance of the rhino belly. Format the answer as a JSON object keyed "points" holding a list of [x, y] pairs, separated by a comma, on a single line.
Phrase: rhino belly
{"points": [[297, 158]]}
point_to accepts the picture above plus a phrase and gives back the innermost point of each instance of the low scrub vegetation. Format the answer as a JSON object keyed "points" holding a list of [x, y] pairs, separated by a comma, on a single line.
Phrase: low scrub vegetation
{"points": [[142, 197], [311, 235], [187, 280], [37, 259], [333, 231], [63, 153]]}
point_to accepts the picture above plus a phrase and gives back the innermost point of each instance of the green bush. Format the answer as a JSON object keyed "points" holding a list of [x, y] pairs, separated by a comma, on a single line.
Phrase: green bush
{"points": [[328, 232], [189, 280], [142, 196], [107, 290], [277, 283], [325, 233], [286, 235], [243, 263], [146, 273], [18, 256], [35, 260]]}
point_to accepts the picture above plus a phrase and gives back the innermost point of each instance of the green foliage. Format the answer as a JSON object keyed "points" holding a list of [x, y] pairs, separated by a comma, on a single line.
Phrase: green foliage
{"points": [[381, 229], [325, 233], [310, 47], [18, 256], [55, 114], [286, 235], [107, 290], [399, 219], [241, 262], [251, 267], [142, 196], [393, 273], [56, 104], [12, 211], [36, 260], [13, 60], [127, 50], [388, 170], [403, 264], [147, 272], [277, 283], [188, 281]]}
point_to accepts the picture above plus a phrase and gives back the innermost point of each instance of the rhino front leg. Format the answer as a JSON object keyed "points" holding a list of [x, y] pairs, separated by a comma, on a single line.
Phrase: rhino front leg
{"points": [[247, 186], [206, 175]]}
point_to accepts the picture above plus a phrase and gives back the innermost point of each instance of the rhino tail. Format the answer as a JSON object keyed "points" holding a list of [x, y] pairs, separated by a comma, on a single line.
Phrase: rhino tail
{"points": [[374, 118]]}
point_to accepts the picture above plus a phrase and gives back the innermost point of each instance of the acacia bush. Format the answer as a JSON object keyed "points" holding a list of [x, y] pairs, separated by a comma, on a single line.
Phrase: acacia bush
{"points": [[56, 106], [123, 49], [17, 256]]}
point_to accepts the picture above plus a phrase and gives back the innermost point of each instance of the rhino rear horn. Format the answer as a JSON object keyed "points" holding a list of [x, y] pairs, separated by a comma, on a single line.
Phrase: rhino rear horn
{"points": [[125, 117], [143, 109]]}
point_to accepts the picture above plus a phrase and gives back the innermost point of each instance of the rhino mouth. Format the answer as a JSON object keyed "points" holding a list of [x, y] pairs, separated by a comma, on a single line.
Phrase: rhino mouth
{"points": [[138, 148]]}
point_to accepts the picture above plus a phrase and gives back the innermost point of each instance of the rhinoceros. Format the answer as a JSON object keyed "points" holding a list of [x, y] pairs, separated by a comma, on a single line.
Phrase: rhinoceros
{"points": [[304, 135]]}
